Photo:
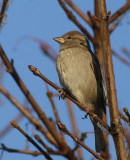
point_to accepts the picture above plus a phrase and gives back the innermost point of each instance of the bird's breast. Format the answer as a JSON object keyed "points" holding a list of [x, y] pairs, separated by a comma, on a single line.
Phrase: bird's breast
{"points": [[76, 76]]}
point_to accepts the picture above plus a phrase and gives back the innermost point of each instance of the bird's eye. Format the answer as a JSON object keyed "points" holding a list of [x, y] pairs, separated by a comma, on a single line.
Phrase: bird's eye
{"points": [[69, 37]]}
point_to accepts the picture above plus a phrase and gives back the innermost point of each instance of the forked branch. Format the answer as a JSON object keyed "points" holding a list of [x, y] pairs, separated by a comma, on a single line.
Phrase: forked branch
{"points": [[73, 18], [15, 125]]}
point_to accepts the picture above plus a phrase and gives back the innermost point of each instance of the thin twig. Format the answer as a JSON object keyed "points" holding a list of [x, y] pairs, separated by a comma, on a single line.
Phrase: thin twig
{"points": [[50, 96], [72, 118], [33, 153], [126, 112], [50, 150], [36, 107], [119, 12], [120, 58], [122, 116], [2, 69], [74, 126], [36, 72], [50, 126], [46, 48], [15, 125], [95, 23], [126, 132], [79, 12], [64, 129], [27, 114], [5, 2], [126, 52], [8, 127], [73, 18], [114, 26]]}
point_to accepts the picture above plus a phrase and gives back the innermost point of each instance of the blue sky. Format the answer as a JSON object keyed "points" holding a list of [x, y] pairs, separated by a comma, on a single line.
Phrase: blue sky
{"points": [[46, 20]]}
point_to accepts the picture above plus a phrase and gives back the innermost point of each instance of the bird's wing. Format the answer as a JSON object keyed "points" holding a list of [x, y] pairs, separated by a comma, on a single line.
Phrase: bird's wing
{"points": [[97, 72], [98, 75]]}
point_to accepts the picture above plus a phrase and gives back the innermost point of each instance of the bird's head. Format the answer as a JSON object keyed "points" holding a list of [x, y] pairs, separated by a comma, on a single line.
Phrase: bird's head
{"points": [[72, 39]]}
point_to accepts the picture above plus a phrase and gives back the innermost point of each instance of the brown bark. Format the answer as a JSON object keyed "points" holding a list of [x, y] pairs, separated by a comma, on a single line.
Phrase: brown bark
{"points": [[28, 115], [62, 146], [36, 72], [119, 12], [117, 132], [74, 126], [30, 98], [73, 18], [15, 125], [99, 54], [4, 5]]}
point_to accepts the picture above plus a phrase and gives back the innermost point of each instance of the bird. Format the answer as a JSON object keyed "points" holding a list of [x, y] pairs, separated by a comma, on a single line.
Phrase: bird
{"points": [[80, 75]]}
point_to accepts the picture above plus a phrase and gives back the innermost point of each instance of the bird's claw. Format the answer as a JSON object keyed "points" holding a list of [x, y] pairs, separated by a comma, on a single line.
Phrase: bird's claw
{"points": [[85, 117], [62, 93]]}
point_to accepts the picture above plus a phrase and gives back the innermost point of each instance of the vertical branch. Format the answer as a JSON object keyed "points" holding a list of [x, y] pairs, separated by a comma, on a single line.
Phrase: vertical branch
{"points": [[97, 37], [117, 132], [50, 96], [74, 126], [99, 54]]}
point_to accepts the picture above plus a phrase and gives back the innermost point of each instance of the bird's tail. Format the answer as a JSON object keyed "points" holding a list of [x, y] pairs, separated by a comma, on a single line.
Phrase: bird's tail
{"points": [[100, 144]]}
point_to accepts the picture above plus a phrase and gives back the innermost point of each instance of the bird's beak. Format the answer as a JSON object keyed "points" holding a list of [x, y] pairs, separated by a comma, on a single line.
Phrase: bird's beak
{"points": [[59, 40]]}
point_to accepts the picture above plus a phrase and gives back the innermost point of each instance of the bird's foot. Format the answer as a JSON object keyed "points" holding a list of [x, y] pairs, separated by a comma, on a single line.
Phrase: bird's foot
{"points": [[62, 93], [85, 117]]}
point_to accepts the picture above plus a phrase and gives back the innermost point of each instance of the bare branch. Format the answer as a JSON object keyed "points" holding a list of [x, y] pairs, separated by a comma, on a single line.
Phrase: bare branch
{"points": [[39, 111], [36, 72], [110, 81], [79, 12], [15, 125], [50, 96], [33, 153], [5, 2], [73, 18], [95, 23], [124, 118], [127, 137], [114, 26], [50, 150], [64, 129], [120, 58], [119, 12], [27, 114], [72, 118], [8, 127], [126, 52], [126, 112], [74, 125], [2, 69], [46, 48]]}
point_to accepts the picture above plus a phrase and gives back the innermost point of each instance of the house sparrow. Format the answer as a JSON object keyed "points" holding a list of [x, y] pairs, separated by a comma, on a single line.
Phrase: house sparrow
{"points": [[80, 75]]}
